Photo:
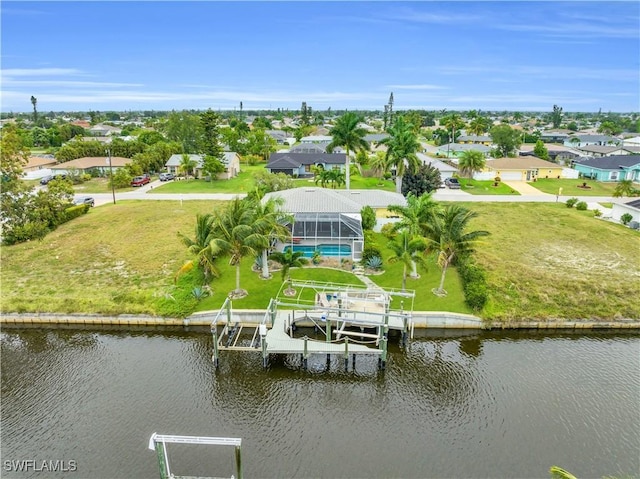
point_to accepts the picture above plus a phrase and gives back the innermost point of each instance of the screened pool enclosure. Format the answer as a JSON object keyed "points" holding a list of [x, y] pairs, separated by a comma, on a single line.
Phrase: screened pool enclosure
{"points": [[332, 234]]}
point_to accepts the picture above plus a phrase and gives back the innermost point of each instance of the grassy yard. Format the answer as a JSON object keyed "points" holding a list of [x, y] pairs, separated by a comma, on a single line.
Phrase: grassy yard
{"points": [[122, 259], [244, 183], [99, 185], [476, 187], [570, 187], [574, 265]]}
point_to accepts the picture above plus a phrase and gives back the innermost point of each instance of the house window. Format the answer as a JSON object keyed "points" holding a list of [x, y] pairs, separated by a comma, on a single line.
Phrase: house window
{"points": [[613, 176]]}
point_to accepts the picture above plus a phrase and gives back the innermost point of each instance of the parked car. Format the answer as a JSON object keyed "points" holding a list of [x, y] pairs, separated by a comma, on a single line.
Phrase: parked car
{"points": [[452, 183], [140, 180], [45, 180], [84, 200], [167, 176]]}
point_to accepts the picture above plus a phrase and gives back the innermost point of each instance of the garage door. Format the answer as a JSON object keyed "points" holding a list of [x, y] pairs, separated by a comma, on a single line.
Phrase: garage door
{"points": [[511, 176]]}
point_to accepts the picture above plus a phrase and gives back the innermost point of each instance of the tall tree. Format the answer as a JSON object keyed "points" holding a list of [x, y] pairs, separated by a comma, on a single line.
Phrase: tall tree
{"points": [[471, 161], [34, 102], [184, 127], [236, 236], [289, 259], [556, 116], [402, 147], [270, 221], [505, 139], [423, 180], [540, 150], [348, 134], [478, 125], [453, 122], [210, 130], [624, 188], [187, 165], [448, 236]]}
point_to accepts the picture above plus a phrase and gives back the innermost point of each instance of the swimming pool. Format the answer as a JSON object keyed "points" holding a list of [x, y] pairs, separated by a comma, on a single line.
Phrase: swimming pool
{"points": [[342, 250]]}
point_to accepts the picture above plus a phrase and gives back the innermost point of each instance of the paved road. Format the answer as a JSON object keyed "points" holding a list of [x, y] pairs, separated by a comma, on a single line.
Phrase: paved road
{"points": [[443, 194]]}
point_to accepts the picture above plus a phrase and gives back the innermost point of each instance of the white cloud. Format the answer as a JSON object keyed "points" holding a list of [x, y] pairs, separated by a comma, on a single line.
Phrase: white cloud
{"points": [[31, 72], [417, 87]]}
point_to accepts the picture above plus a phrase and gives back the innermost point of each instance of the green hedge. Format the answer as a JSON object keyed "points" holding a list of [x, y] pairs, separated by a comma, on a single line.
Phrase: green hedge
{"points": [[474, 283]]}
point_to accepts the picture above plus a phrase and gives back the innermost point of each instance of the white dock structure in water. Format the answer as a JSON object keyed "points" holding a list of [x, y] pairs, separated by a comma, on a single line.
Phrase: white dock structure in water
{"points": [[353, 319]]}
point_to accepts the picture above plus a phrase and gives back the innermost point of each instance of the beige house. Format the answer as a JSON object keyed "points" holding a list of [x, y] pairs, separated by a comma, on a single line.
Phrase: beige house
{"points": [[230, 160], [36, 163], [98, 164]]}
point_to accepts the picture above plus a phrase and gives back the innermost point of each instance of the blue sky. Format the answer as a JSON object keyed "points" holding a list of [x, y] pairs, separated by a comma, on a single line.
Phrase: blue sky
{"points": [[517, 56]]}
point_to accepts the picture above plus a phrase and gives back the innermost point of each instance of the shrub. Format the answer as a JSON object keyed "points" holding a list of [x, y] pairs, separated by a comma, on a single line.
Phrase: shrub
{"points": [[375, 262], [368, 218], [571, 202], [474, 283], [582, 206], [626, 218], [387, 230], [370, 251], [497, 179], [73, 212], [315, 257], [597, 213]]}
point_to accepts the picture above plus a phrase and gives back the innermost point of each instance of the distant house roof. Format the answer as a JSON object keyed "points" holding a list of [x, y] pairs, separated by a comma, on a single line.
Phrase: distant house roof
{"points": [[277, 134], [307, 148], [93, 162], [316, 139], [479, 138], [375, 137], [520, 163], [36, 161], [464, 147], [610, 162], [634, 204], [295, 160], [326, 200], [175, 160], [596, 138], [602, 149]]}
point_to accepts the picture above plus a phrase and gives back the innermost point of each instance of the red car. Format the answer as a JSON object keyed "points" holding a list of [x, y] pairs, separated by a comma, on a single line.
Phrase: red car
{"points": [[140, 180]]}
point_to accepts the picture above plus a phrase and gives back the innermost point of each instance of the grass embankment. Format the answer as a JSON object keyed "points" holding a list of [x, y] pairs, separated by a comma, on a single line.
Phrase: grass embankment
{"points": [[543, 261], [549, 261], [571, 187]]}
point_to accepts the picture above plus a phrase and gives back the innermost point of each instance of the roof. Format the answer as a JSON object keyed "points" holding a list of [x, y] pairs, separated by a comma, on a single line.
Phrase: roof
{"points": [[474, 138], [633, 204], [520, 163], [437, 164], [93, 162], [614, 162], [604, 138], [316, 139], [175, 160], [294, 160], [315, 200], [307, 148], [375, 137], [599, 148], [464, 147], [39, 161], [374, 198]]}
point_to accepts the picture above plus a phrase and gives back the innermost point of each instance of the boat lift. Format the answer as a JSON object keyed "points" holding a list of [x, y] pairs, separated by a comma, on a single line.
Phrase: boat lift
{"points": [[158, 443]]}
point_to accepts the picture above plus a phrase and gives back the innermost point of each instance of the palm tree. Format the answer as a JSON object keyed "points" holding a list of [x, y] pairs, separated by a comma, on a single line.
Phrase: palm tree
{"points": [[289, 259], [453, 122], [407, 249], [34, 102], [378, 164], [200, 247], [235, 235], [187, 165], [414, 217], [402, 146], [336, 177], [478, 125], [270, 221], [470, 162], [447, 235], [624, 188], [559, 473], [346, 133]]}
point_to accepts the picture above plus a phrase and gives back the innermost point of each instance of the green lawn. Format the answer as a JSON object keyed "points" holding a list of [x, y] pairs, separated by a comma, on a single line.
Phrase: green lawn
{"points": [[476, 187], [99, 185], [570, 187], [244, 183], [122, 259]]}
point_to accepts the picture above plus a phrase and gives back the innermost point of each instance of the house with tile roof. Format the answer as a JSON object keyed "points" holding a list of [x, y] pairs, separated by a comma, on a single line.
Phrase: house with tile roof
{"points": [[99, 165], [230, 160], [610, 168], [521, 168]]}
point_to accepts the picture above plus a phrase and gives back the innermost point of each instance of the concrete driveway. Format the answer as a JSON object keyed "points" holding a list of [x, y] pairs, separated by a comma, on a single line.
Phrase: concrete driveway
{"points": [[525, 188]]}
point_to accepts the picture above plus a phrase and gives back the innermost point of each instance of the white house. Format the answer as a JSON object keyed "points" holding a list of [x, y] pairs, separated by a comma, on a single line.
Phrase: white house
{"points": [[230, 160]]}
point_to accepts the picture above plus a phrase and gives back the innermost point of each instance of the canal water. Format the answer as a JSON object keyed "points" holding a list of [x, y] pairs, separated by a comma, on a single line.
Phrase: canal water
{"points": [[451, 405]]}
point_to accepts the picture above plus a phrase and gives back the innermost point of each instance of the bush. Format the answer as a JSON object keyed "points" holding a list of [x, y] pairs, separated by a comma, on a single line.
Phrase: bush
{"points": [[474, 283], [370, 251], [497, 179], [387, 230], [571, 202], [375, 262], [597, 213], [368, 218], [626, 218], [581, 206], [73, 212]]}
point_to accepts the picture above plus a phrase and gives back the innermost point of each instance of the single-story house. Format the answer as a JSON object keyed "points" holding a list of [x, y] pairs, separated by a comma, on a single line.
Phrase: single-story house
{"points": [[610, 168], [316, 139], [36, 163], [554, 136], [632, 141], [299, 164], [601, 150], [307, 148], [230, 160], [578, 141], [446, 171], [475, 139], [632, 207], [454, 150], [278, 135], [104, 130], [329, 220], [521, 168], [557, 153], [99, 164]]}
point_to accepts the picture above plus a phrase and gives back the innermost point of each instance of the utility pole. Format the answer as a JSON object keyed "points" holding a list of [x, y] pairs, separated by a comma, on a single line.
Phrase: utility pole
{"points": [[113, 186]]}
